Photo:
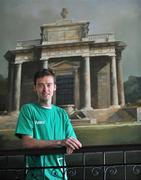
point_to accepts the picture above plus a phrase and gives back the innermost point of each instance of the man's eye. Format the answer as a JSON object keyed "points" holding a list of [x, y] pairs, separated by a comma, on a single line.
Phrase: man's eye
{"points": [[44, 85], [48, 85], [40, 85]]}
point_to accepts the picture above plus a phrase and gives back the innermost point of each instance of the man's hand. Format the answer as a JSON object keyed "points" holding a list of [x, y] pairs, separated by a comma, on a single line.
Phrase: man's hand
{"points": [[71, 144]]}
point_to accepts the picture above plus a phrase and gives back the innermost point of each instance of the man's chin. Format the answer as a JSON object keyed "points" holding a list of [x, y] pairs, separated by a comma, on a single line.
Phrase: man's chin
{"points": [[45, 99]]}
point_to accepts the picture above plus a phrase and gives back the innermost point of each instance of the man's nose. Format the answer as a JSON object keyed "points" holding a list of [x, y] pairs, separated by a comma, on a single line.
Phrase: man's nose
{"points": [[45, 88]]}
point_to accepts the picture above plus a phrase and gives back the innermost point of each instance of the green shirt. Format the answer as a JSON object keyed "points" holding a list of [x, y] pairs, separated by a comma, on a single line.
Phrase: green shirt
{"points": [[45, 124]]}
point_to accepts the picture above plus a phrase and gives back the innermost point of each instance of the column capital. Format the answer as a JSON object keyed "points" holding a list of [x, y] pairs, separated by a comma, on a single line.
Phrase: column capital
{"points": [[113, 56], [44, 58], [18, 63], [45, 64], [87, 56]]}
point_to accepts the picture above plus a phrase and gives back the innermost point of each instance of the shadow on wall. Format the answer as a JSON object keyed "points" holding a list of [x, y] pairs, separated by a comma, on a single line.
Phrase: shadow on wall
{"points": [[8, 140], [3, 103]]}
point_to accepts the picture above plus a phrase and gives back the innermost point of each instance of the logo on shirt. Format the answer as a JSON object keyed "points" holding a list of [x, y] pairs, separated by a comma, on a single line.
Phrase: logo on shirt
{"points": [[39, 122]]}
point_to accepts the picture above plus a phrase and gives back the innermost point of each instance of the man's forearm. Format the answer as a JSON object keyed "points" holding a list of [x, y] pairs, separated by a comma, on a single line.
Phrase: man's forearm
{"points": [[35, 143], [70, 143]]}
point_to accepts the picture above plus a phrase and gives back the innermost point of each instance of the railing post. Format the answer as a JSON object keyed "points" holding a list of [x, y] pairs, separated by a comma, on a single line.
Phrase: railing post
{"points": [[84, 166]]}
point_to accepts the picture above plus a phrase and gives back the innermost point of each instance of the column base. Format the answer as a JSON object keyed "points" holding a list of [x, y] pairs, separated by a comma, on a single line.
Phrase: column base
{"points": [[86, 109], [115, 106]]}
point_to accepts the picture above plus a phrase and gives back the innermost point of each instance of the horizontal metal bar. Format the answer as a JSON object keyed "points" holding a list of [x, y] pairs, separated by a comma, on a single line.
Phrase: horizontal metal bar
{"points": [[62, 150]]}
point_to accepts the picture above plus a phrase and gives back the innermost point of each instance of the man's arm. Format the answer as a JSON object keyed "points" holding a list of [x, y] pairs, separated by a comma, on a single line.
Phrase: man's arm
{"points": [[70, 143]]}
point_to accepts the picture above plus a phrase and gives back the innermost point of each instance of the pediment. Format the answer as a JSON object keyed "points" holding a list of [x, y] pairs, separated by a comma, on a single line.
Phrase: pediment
{"points": [[64, 65]]}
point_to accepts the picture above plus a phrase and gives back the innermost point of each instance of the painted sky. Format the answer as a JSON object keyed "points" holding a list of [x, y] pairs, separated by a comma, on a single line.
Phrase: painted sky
{"points": [[21, 20]]}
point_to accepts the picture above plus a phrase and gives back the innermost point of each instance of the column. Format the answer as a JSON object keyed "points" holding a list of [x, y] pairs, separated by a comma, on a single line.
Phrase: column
{"points": [[120, 80], [114, 82], [17, 86], [10, 86], [87, 85], [76, 89], [45, 64]]}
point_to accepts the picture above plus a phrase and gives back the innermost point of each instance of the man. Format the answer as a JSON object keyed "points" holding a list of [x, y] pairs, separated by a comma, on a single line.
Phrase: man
{"points": [[43, 124]]}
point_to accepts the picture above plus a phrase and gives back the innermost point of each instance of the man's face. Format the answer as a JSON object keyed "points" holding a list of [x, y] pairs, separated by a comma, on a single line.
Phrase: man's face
{"points": [[45, 88]]}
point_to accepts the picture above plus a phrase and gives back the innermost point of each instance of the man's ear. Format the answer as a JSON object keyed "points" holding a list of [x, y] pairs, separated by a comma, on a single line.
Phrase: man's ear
{"points": [[55, 87]]}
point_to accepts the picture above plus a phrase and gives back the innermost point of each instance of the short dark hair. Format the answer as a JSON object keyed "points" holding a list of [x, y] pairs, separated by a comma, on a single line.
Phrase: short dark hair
{"points": [[42, 73]]}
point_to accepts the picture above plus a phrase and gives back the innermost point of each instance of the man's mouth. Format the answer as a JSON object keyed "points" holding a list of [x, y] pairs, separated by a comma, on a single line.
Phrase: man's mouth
{"points": [[45, 94]]}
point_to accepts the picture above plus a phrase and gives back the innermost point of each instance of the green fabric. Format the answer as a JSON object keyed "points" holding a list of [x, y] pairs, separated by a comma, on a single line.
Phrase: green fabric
{"points": [[45, 124]]}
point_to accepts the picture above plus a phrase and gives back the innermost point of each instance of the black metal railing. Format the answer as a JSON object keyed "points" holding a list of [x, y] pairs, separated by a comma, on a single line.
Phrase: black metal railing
{"points": [[104, 162]]}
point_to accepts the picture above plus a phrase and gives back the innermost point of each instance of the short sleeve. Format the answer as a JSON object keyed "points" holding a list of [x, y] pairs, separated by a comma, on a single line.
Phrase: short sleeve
{"points": [[68, 127], [25, 122]]}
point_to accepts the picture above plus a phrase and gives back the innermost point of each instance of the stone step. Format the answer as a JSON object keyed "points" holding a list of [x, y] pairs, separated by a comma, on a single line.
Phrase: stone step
{"points": [[102, 116], [80, 122]]}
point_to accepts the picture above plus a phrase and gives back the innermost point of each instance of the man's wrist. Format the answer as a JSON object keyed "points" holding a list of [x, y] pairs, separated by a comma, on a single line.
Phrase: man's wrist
{"points": [[59, 143]]}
